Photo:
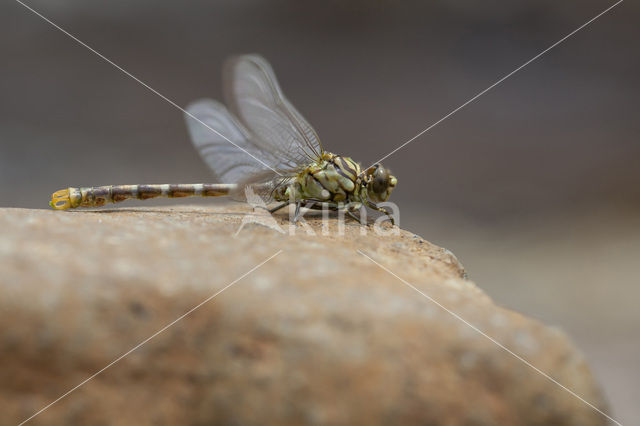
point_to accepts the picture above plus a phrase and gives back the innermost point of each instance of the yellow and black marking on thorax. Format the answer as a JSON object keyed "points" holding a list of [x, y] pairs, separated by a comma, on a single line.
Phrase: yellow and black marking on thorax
{"points": [[331, 179]]}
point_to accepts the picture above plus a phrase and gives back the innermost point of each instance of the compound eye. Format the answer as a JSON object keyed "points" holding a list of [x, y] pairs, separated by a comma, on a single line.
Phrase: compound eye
{"points": [[379, 185], [380, 180]]}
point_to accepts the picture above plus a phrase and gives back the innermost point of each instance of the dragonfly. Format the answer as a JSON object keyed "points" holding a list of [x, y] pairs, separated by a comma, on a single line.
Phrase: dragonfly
{"points": [[262, 143]]}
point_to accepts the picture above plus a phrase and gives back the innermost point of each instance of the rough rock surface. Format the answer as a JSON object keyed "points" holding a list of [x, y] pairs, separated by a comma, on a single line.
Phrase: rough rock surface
{"points": [[317, 335]]}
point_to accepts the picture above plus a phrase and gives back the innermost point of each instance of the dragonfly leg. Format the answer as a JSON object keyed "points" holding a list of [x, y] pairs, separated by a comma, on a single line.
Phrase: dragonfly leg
{"points": [[353, 216], [381, 210], [313, 204], [278, 207], [320, 205], [296, 215]]}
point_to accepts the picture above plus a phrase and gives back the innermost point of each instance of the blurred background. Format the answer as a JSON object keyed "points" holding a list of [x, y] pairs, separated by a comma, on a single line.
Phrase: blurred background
{"points": [[535, 186]]}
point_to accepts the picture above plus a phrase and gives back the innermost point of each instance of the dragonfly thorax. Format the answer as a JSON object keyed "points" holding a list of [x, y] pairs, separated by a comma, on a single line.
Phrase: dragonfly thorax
{"points": [[331, 178], [337, 179]]}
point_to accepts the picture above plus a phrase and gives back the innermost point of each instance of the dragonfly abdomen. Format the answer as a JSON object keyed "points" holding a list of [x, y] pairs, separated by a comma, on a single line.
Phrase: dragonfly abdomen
{"points": [[100, 195]]}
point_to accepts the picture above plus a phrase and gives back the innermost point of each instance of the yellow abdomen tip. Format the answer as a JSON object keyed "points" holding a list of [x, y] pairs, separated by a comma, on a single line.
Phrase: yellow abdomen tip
{"points": [[60, 200]]}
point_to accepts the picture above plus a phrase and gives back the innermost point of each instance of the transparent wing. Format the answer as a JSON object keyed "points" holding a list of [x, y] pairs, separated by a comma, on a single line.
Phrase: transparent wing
{"points": [[253, 94], [262, 184], [226, 146]]}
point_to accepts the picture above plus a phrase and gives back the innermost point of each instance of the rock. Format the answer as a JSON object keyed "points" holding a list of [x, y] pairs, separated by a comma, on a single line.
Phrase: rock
{"points": [[317, 335]]}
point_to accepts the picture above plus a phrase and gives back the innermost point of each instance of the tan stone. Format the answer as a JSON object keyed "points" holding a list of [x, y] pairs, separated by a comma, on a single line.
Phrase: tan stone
{"points": [[317, 335]]}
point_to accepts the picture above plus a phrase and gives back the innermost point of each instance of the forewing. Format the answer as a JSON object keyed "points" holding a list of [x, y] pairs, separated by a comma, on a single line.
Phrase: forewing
{"points": [[231, 153], [253, 94], [224, 144]]}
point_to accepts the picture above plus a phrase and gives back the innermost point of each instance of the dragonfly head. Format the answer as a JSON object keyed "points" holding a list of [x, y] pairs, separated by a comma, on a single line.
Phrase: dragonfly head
{"points": [[379, 183]]}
